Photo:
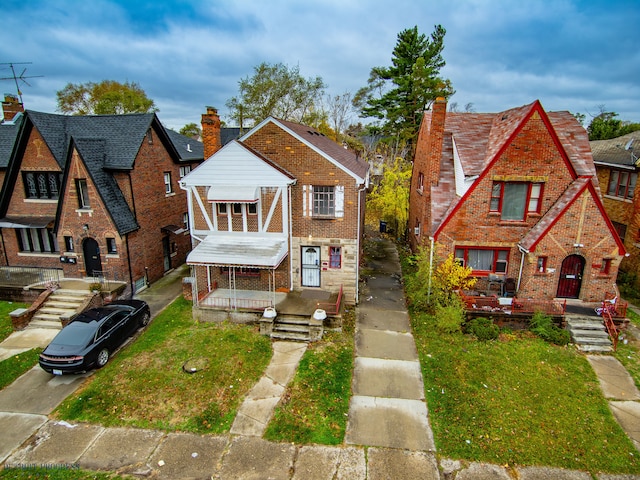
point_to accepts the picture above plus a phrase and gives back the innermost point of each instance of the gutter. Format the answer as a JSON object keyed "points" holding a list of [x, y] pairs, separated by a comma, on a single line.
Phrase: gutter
{"points": [[360, 191]]}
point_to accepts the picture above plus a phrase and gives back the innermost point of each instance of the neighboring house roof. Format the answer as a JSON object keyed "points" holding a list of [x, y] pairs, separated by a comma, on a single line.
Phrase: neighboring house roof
{"points": [[188, 148], [621, 151], [342, 157], [105, 143], [8, 135]]}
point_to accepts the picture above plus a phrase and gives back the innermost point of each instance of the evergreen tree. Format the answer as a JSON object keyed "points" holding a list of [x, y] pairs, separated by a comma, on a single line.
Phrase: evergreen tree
{"points": [[398, 95]]}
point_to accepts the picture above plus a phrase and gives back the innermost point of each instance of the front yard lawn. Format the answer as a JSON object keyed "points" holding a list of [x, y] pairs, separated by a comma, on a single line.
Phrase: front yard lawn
{"points": [[518, 401], [12, 367], [145, 385], [5, 320], [315, 406]]}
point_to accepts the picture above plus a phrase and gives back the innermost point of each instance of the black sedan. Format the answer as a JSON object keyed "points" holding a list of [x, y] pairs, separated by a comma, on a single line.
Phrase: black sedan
{"points": [[90, 338]]}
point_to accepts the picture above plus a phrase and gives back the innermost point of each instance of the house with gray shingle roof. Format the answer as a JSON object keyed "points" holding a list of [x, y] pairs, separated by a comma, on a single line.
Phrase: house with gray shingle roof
{"points": [[617, 162], [514, 195], [279, 210], [95, 195]]}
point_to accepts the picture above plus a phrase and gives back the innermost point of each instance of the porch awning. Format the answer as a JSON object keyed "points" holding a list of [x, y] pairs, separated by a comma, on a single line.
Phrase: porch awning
{"points": [[233, 194], [25, 222], [247, 251]]}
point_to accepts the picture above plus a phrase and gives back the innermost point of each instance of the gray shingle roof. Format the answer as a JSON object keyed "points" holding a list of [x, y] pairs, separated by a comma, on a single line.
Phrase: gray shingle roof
{"points": [[8, 136], [105, 142], [623, 151]]}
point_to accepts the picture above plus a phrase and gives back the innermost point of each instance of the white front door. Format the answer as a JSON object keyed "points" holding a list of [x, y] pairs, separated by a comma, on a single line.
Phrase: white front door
{"points": [[310, 266]]}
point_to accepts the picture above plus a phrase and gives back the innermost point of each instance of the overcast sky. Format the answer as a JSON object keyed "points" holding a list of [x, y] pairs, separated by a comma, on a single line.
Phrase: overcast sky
{"points": [[575, 55]]}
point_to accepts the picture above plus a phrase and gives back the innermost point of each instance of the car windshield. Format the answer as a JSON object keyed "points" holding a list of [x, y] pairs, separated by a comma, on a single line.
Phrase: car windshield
{"points": [[76, 334]]}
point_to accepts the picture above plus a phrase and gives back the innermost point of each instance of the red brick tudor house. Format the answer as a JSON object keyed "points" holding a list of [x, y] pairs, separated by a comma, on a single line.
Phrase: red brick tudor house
{"points": [[278, 210], [94, 195], [514, 195], [618, 163]]}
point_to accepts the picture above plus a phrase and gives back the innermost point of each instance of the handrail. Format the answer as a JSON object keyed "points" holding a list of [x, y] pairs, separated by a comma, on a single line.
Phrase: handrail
{"points": [[612, 330], [336, 306]]}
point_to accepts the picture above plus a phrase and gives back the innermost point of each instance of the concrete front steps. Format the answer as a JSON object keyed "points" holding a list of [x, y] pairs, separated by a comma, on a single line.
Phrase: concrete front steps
{"points": [[292, 329], [589, 334], [62, 303]]}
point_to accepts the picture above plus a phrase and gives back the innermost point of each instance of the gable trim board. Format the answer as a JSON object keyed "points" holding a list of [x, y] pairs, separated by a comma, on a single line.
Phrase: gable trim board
{"points": [[557, 211]]}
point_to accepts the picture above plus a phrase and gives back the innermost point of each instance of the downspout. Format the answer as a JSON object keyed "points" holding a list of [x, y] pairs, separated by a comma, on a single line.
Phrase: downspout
{"points": [[126, 242], [523, 251], [431, 240], [290, 228], [360, 191]]}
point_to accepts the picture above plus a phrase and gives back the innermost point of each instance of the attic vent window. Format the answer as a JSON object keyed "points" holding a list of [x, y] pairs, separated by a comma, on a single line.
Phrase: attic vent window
{"points": [[188, 148]]}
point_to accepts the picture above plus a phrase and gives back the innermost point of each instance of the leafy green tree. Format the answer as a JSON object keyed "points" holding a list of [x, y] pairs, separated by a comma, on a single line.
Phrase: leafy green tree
{"points": [[398, 95], [605, 125], [190, 130], [279, 91], [105, 97]]}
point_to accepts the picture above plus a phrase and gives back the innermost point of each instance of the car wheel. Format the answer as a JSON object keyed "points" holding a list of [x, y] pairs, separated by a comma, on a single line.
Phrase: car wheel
{"points": [[103, 358], [144, 321]]}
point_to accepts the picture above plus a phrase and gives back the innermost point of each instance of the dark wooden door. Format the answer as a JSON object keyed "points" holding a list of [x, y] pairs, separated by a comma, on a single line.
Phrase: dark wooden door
{"points": [[92, 262], [571, 276]]}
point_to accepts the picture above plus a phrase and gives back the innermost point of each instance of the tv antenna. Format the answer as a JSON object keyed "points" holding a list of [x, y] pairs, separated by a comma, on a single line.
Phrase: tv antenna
{"points": [[15, 77]]}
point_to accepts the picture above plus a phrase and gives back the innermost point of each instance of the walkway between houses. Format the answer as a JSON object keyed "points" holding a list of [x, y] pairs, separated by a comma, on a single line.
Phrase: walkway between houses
{"points": [[387, 407]]}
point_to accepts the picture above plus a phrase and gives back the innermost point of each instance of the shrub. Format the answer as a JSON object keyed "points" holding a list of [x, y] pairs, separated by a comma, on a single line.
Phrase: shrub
{"points": [[483, 329], [542, 325], [450, 317]]}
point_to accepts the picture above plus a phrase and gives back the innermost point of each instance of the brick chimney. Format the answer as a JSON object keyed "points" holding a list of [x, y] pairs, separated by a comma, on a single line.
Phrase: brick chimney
{"points": [[211, 132], [436, 138], [11, 107]]}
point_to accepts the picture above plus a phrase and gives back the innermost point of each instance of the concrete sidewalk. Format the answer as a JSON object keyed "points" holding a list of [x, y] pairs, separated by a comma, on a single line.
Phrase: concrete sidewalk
{"points": [[387, 407]]}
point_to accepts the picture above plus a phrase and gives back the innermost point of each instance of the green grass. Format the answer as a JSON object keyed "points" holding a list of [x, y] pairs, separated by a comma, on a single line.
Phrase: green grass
{"points": [[13, 367], [145, 386], [518, 401], [628, 354], [70, 473], [5, 320], [315, 406]]}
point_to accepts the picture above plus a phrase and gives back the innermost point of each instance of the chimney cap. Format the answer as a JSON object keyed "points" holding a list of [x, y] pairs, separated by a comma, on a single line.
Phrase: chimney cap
{"points": [[212, 109]]}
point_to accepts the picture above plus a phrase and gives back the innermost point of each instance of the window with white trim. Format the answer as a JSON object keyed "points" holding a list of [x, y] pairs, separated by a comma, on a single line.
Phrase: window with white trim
{"points": [[184, 170], [83, 193], [167, 183], [324, 201], [37, 240]]}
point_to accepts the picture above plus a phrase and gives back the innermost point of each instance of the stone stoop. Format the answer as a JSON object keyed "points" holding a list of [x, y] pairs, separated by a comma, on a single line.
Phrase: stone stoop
{"points": [[589, 334], [61, 303], [293, 327]]}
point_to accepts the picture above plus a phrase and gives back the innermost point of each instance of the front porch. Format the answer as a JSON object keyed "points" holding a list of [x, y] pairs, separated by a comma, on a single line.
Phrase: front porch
{"points": [[300, 303]]}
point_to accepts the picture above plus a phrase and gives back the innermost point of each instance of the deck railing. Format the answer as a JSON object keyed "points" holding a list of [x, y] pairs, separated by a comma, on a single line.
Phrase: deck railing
{"points": [[23, 276], [227, 303]]}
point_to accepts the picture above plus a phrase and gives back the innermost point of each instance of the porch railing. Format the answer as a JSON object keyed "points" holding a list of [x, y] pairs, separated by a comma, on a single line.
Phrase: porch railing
{"points": [[23, 276], [226, 303], [332, 308]]}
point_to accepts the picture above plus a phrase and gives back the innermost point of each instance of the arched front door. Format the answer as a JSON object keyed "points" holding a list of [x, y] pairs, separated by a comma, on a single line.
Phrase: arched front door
{"points": [[92, 262], [310, 266], [571, 276]]}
